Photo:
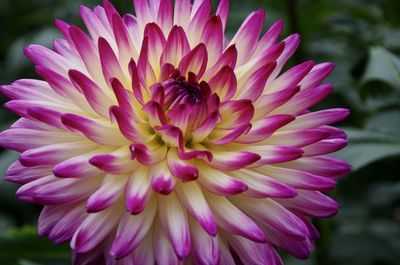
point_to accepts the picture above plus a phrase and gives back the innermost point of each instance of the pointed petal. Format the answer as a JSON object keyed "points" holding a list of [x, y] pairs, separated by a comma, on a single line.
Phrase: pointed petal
{"points": [[174, 221]]}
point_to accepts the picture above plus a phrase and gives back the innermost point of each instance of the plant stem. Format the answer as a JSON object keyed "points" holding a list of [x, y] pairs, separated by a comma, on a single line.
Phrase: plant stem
{"points": [[294, 25]]}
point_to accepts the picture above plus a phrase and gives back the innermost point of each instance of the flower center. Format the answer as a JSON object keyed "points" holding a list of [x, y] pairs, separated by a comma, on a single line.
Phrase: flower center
{"points": [[179, 90]]}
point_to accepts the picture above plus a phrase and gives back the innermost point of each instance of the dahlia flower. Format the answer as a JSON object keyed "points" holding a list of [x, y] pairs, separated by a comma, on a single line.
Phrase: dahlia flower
{"points": [[155, 140]]}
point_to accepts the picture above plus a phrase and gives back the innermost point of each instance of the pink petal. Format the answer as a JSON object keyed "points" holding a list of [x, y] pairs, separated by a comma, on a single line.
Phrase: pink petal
{"points": [[161, 179], [264, 128], [292, 77], [180, 168], [221, 137], [163, 251], [98, 131], [164, 16], [137, 191], [204, 130], [55, 153], [182, 13], [117, 162], [273, 154], [234, 221], [268, 102], [299, 179], [232, 160], [127, 125], [321, 165], [317, 74], [173, 219], [318, 118], [254, 85], [247, 36], [95, 229], [20, 140], [213, 38], [260, 186], [297, 138], [151, 153], [235, 113], [192, 198], [198, 21], [17, 173], [110, 65], [205, 248], [323, 147], [224, 83], [228, 58], [256, 253], [107, 194], [176, 47], [195, 61], [156, 44], [220, 183], [95, 96], [223, 12], [311, 204], [132, 230], [78, 166]]}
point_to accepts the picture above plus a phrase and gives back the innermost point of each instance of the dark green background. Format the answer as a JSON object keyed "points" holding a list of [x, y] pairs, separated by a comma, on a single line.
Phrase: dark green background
{"points": [[361, 37]]}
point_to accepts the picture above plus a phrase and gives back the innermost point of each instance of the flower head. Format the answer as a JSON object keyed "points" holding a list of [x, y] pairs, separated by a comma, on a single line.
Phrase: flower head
{"points": [[154, 139]]}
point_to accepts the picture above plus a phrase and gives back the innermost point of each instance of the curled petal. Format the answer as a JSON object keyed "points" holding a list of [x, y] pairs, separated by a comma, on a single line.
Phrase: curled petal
{"points": [[224, 83], [195, 61], [137, 191], [117, 162], [161, 179], [235, 113], [180, 168]]}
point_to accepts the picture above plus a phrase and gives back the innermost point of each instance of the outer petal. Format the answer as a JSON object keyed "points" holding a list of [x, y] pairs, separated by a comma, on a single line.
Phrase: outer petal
{"points": [[192, 197], [137, 191], [132, 229], [161, 179], [107, 194], [220, 183], [247, 36], [174, 221], [205, 248], [232, 219], [94, 229]]}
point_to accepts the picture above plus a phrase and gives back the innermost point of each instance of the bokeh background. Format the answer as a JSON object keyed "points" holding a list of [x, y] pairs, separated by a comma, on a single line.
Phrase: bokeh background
{"points": [[361, 36]]}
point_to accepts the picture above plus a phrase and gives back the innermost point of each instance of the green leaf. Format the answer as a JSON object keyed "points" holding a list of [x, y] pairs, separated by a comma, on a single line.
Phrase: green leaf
{"points": [[379, 140], [17, 245], [383, 66]]}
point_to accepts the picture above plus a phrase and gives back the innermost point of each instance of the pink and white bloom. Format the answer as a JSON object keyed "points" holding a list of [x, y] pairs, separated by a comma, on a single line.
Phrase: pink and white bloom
{"points": [[155, 140]]}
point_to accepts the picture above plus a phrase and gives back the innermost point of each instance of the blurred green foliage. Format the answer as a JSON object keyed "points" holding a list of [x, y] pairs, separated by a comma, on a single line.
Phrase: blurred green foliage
{"points": [[361, 36]]}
